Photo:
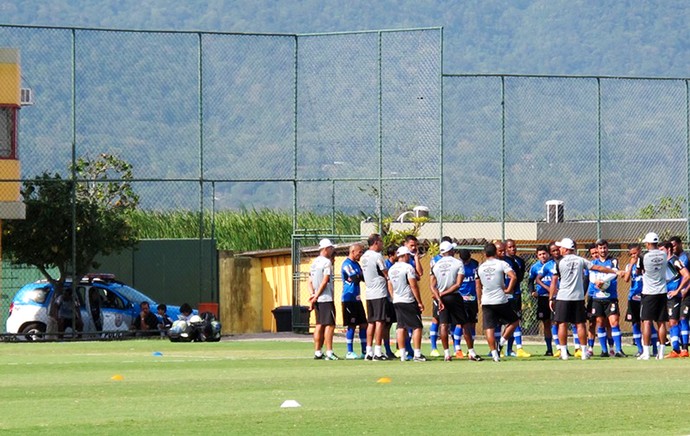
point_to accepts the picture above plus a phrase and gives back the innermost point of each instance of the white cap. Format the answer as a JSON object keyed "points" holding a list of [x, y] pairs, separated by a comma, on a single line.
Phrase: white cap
{"points": [[325, 243], [566, 243], [651, 238], [446, 246], [402, 251]]}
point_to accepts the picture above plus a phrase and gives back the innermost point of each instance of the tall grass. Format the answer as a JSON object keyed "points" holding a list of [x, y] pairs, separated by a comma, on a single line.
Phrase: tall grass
{"points": [[243, 230]]}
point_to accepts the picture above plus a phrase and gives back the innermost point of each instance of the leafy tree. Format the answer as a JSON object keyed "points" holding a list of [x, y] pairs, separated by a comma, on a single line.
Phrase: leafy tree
{"points": [[103, 199]]}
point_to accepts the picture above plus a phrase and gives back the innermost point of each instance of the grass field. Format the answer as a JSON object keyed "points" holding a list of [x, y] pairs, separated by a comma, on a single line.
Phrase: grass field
{"points": [[237, 387]]}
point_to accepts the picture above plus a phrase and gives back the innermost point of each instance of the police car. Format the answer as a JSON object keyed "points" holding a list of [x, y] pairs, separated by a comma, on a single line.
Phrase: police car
{"points": [[115, 304]]}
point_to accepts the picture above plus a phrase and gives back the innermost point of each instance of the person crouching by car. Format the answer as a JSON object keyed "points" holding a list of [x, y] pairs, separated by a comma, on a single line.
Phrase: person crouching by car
{"points": [[146, 324], [65, 311]]}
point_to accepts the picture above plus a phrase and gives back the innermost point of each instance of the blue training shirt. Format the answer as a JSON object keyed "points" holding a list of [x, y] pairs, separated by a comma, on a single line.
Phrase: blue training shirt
{"points": [[534, 271], [468, 288], [635, 281], [547, 272], [352, 275], [611, 293], [673, 276]]}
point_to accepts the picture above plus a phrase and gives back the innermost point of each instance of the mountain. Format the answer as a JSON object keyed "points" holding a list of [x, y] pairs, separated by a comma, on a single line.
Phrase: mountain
{"points": [[574, 37], [137, 96]]}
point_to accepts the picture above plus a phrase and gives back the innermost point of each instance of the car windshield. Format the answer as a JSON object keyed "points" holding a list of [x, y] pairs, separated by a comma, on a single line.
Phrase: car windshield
{"points": [[133, 295]]}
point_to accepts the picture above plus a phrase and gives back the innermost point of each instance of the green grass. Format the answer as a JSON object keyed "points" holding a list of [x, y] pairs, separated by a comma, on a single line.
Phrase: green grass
{"points": [[243, 230], [237, 387]]}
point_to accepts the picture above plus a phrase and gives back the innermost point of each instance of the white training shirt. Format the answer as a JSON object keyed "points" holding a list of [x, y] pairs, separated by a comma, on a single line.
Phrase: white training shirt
{"points": [[320, 268], [654, 264], [400, 275], [570, 277], [446, 271], [373, 264], [492, 274]]}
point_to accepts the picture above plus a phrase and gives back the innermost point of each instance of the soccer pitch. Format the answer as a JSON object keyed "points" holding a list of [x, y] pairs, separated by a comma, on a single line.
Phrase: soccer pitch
{"points": [[237, 387]]}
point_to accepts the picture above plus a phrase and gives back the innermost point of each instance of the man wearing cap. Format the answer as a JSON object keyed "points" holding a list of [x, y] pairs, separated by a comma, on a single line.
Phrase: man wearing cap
{"points": [[567, 294], [492, 291], [408, 304], [322, 299], [677, 279], [603, 289], [447, 275], [433, 328], [375, 277], [653, 302]]}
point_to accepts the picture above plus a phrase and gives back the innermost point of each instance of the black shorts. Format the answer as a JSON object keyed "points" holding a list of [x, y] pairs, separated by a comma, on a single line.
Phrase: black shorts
{"points": [[390, 310], [497, 314], [543, 309], [673, 307], [453, 311], [633, 313], [604, 308], [377, 310], [409, 316], [516, 304], [569, 311], [685, 308], [325, 313], [653, 308], [353, 313], [434, 308], [471, 310]]}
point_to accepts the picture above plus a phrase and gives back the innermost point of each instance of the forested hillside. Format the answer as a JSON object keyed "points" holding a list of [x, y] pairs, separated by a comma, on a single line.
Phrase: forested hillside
{"points": [[584, 37]]}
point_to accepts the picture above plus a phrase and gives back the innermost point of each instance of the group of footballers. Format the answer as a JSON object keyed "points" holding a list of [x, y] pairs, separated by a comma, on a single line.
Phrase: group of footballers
{"points": [[559, 280]]}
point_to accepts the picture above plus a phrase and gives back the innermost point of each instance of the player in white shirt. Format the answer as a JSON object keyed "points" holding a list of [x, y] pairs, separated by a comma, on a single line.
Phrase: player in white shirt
{"points": [[567, 294], [493, 294], [321, 274], [407, 301], [653, 303], [375, 279]]}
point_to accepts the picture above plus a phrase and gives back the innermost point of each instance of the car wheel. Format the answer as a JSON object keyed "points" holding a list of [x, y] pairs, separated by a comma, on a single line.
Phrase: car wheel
{"points": [[34, 332]]}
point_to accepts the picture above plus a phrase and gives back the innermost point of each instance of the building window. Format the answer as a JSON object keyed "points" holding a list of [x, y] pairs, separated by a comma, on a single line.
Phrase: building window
{"points": [[8, 132]]}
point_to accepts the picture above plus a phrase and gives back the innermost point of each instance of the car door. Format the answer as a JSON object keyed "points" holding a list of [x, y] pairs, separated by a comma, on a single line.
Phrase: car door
{"points": [[115, 310]]}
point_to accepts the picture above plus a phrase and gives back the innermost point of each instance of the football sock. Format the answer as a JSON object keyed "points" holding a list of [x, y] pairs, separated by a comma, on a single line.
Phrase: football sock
{"points": [[601, 334], [616, 335], [349, 337], [433, 335], [675, 337], [363, 339], [637, 337], [684, 333], [576, 338], [457, 337], [554, 334], [518, 337]]}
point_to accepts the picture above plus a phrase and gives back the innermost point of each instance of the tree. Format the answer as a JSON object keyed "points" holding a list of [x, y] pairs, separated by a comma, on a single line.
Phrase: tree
{"points": [[103, 199]]}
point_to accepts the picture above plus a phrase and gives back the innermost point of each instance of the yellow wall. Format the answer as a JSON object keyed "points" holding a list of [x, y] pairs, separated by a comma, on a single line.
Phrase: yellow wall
{"points": [[9, 170], [240, 290], [10, 81]]}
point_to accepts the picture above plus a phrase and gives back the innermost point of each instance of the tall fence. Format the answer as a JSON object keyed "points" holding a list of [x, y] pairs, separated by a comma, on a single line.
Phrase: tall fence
{"points": [[360, 123]]}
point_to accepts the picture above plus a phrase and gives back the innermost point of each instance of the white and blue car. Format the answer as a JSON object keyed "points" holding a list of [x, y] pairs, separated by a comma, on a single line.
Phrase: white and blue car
{"points": [[118, 304]]}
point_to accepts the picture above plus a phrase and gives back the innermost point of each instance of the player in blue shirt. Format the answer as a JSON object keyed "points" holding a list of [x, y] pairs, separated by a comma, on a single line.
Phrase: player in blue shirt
{"points": [[541, 294], [544, 279], [518, 265], [677, 244], [603, 291], [677, 281], [633, 275], [353, 309], [468, 291]]}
